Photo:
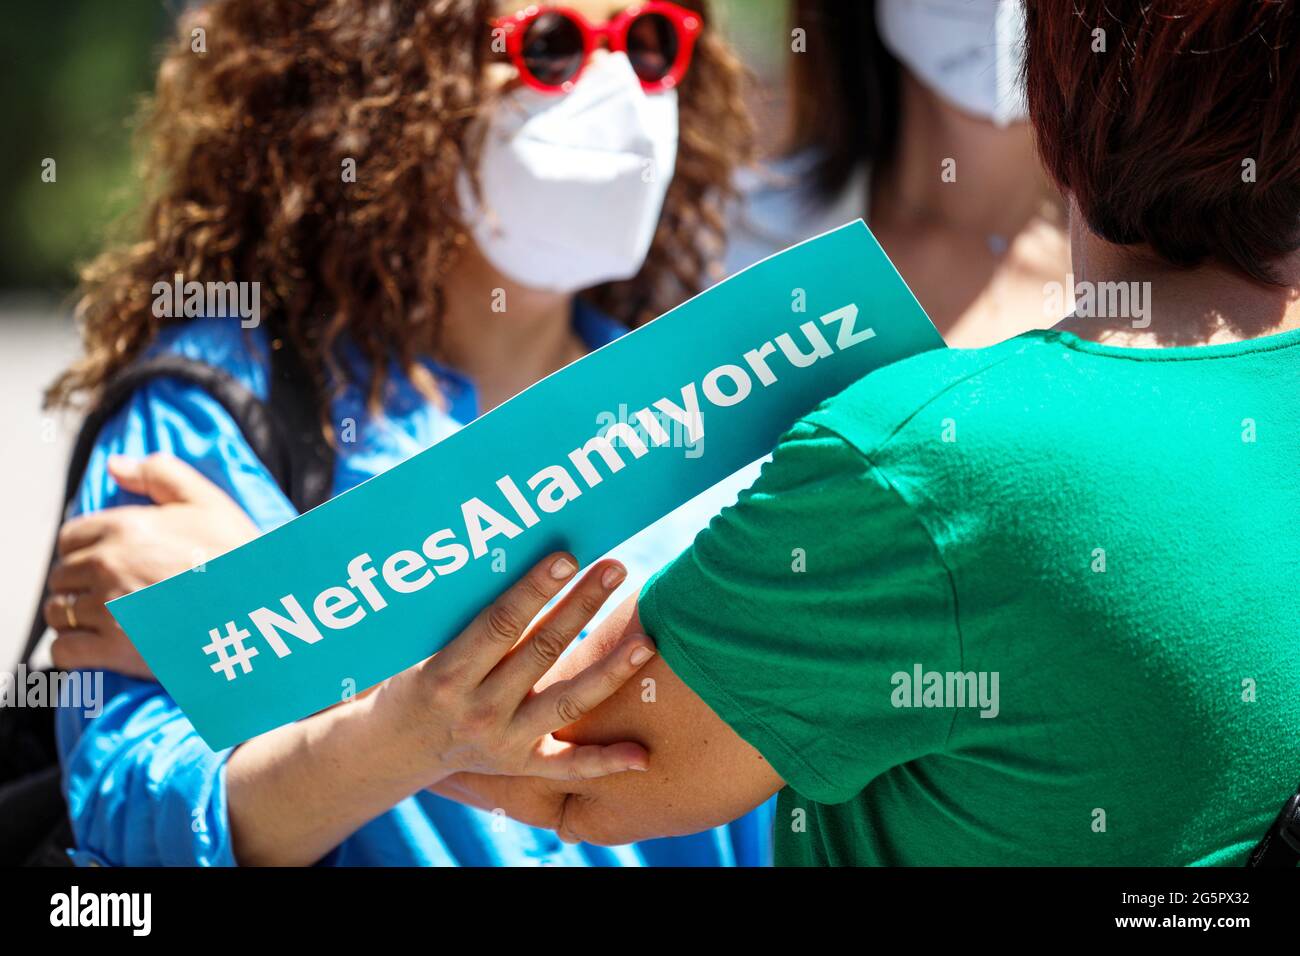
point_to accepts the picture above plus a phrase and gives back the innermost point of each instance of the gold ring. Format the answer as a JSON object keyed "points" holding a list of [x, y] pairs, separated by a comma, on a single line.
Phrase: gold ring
{"points": [[68, 601]]}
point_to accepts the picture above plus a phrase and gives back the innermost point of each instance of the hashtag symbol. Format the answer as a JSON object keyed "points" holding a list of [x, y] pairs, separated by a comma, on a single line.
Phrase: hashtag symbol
{"points": [[230, 651]]}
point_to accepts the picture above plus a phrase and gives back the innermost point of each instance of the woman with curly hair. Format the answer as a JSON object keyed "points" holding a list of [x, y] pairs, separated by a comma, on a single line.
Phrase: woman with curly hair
{"points": [[433, 204]]}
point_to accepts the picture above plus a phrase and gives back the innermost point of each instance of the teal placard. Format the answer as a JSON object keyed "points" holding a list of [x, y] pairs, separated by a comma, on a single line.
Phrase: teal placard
{"points": [[381, 577]]}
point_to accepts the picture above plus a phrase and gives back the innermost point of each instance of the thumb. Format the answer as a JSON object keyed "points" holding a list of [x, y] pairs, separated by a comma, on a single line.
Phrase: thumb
{"points": [[164, 479]]}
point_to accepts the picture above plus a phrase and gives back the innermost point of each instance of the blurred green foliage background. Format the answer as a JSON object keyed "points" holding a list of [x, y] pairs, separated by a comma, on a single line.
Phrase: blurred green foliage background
{"points": [[72, 76], [73, 72]]}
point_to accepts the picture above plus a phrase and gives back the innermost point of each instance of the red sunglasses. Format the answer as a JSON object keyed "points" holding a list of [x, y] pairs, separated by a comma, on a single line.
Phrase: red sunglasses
{"points": [[551, 46]]}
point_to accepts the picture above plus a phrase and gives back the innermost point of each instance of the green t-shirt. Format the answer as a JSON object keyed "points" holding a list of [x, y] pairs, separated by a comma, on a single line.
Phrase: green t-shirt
{"points": [[1113, 533]]}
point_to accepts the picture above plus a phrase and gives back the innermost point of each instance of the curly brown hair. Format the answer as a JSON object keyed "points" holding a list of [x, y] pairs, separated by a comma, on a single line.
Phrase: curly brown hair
{"points": [[242, 148]]}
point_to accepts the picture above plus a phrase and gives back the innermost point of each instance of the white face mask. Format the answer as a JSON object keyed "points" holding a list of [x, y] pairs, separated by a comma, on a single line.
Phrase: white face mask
{"points": [[572, 185], [968, 51]]}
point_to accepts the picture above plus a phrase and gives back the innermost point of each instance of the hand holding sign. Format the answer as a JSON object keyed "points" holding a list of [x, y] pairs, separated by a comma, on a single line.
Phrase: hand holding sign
{"points": [[473, 703], [470, 708]]}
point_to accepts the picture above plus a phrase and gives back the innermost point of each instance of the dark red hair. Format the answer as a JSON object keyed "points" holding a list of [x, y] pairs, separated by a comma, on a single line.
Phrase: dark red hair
{"points": [[1174, 123]]}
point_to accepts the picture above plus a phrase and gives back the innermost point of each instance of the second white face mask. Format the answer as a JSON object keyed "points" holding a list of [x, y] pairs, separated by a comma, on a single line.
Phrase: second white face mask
{"points": [[968, 51], [573, 185]]}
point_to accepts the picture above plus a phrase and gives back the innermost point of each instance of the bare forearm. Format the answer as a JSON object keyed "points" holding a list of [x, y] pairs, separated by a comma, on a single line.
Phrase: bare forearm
{"points": [[296, 793]]}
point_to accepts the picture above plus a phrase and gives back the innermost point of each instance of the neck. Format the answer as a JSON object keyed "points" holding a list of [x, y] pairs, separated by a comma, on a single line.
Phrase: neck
{"points": [[913, 190], [1209, 304], [502, 335]]}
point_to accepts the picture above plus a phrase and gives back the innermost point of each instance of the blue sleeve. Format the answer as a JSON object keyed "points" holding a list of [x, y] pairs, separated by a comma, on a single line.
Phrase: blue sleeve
{"points": [[143, 788]]}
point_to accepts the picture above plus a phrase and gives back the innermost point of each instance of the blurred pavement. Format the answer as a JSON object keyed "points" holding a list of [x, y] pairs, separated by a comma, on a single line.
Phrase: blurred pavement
{"points": [[37, 339]]}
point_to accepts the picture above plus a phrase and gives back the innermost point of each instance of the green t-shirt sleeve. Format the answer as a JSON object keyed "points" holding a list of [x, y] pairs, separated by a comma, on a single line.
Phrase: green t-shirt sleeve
{"points": [[792, 612]]}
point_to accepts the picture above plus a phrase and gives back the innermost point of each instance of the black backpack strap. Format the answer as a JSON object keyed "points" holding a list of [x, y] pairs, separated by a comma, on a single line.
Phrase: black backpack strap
{"points": [[251, 414], [284, 432], [296, 404], [1280, 847]]}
